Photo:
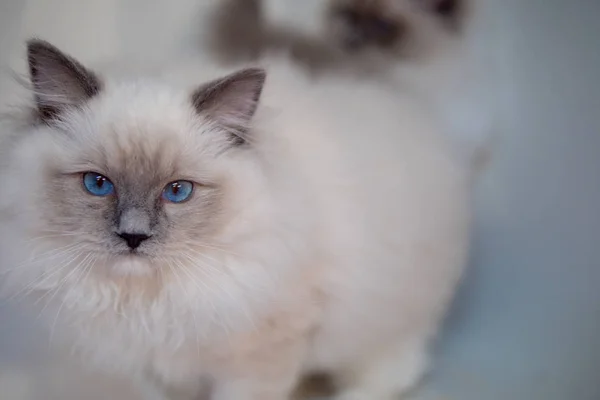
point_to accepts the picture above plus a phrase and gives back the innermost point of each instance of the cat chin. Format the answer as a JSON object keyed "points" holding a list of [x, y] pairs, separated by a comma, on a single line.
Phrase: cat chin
{"points": [[131, 265]]}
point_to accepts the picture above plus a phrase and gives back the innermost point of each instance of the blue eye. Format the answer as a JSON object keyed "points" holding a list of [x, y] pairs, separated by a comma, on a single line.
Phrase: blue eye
{"points": [[97, 185], [178, 191]]}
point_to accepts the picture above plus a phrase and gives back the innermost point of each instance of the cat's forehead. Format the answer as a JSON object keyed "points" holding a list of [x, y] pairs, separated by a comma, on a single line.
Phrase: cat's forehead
{"points": [[145, 104], [132, 151], [144, 130]]}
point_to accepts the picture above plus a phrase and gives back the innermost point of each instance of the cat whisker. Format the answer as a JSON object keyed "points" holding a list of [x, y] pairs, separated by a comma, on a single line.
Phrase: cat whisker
{"points": [[54, 235], [227, 293], [26, 290], [60, 252], [185, 291], [202, 268], [45, 278], [210, 267], [205, 287], [205, 256], [80, 278], [44, 257], [186, 269], [58, 288], [209, 246], [222, 318], [53, 250]]}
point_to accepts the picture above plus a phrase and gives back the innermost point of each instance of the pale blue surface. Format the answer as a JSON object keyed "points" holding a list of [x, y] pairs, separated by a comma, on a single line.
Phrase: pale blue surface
{"points": [[527, 323]]}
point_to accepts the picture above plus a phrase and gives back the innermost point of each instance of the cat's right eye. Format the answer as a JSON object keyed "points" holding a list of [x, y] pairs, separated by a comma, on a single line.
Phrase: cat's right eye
{"points": [[97, 184], [178, 191]]}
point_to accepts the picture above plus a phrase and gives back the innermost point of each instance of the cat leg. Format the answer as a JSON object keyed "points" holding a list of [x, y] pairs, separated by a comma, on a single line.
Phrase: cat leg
{"points": [[150, 388], [275, 379], [387, 376], [256, 390], [276, 382], [272, 375]]}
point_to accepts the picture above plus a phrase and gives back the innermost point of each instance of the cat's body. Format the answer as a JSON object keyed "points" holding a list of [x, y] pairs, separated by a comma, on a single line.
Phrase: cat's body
{"points": [[325, 233]]}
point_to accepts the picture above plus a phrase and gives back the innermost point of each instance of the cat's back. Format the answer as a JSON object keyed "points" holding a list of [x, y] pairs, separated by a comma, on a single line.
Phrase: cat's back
{"points": [[357, 131], [378, 162], [392, 207]]}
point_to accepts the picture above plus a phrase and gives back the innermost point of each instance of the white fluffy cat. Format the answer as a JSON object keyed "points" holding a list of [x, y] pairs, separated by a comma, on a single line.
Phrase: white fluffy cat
{"points": [[236, 230]]}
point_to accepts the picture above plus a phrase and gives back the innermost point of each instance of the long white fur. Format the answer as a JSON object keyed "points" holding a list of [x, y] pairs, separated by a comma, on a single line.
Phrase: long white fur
{"points": [[355, 180]]}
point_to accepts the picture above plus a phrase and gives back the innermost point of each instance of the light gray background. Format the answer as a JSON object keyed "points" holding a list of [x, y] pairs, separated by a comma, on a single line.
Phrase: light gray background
{"points": [[526, 325]]}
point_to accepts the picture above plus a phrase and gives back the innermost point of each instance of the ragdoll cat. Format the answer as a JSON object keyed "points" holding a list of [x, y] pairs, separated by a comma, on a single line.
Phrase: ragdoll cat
{"points": [[235, 230], [394, 26], [425, 48]]}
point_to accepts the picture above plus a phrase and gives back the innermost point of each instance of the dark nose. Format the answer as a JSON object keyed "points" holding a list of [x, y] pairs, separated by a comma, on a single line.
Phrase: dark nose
{"points": [[134, 240]]}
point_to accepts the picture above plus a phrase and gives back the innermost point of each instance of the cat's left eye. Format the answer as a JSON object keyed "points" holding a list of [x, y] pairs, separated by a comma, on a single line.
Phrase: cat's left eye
{"points": [[178, 191], [97, 184]]}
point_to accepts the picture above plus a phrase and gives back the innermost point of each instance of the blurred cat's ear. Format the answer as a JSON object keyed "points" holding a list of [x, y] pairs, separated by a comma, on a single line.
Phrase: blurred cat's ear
{"points": [[58, 80], [449, 11], [231, 101]]}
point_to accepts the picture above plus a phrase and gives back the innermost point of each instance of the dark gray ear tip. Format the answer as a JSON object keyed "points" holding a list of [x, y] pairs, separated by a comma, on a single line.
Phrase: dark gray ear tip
{"points": [[37, 46], [454, 12], [39, 51], [57, 80], [257, 73]]}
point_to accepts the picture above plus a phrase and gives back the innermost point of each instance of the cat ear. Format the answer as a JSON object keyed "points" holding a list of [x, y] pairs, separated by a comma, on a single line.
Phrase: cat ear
{"points": [[449, 11], [59, 81], [231, 101]]}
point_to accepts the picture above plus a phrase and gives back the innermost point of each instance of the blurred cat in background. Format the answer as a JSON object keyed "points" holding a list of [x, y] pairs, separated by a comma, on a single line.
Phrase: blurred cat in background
{"points": [[392, 30], [421, 47], [395, 27]]}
